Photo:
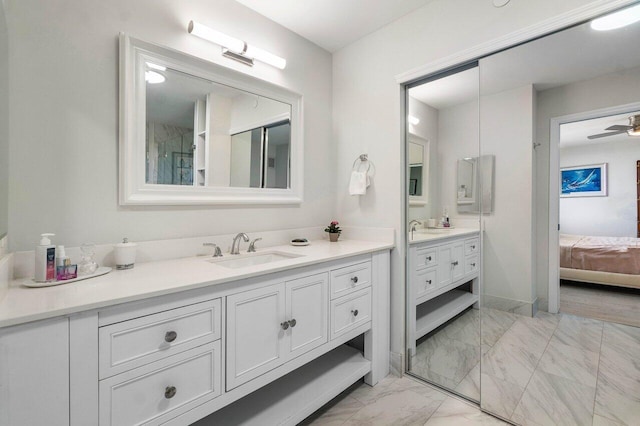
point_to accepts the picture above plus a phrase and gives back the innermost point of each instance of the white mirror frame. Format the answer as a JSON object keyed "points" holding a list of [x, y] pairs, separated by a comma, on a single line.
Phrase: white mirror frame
{"points": [[133, 189], [421, 200]]}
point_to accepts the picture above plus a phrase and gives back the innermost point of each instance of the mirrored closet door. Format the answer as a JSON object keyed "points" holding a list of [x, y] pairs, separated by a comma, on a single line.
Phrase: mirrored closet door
{"points": [[541, 323], [444, 192]]}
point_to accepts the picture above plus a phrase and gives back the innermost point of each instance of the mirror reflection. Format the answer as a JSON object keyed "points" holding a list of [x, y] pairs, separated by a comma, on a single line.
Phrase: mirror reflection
{"points": [[201, 133], [475, 176], [416, 158]]}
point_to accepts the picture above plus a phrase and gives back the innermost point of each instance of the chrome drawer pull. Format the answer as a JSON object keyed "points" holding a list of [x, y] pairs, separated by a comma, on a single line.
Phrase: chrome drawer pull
{"points": [[170, 392], [293, 323], [170, 336], [284, 325], [354, 312], [355, 280]]}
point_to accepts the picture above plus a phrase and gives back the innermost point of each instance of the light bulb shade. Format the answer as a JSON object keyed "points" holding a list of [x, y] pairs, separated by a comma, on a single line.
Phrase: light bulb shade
{"points": [[617, 19], [266, 57], [216, 37]]}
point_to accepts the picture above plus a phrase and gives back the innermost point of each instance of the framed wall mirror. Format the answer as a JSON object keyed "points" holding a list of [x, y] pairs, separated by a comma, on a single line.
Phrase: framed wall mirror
{"points": [[193, 132], [475, 184], [418, 159]]}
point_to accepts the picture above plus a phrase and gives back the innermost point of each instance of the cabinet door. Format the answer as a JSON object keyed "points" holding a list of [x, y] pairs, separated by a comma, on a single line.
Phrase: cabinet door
{"points": [[457, 263], [255, 336], [307, 310], [34, 373], [445, 266]]}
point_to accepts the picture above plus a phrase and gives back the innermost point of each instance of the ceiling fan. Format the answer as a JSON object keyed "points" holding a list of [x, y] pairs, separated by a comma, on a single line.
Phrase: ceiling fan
{"points": [[633, 129]]}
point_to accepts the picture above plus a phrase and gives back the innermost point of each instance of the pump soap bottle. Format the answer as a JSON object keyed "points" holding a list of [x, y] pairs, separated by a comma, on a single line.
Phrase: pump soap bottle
{"points": [[45, 267]]}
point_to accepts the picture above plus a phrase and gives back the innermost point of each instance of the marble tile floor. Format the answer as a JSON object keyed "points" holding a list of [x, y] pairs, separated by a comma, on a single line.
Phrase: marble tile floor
{"points": [[399, 402]]}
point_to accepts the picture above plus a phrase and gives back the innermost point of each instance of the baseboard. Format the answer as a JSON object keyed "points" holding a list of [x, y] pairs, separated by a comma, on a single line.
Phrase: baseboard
{"points": [[509, 305]]}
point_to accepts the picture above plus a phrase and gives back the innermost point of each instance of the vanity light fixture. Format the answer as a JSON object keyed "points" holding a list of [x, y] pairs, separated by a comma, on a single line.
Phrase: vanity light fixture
{"points": [[618, 19], [634, 124], [413, 120], [234, 48]]}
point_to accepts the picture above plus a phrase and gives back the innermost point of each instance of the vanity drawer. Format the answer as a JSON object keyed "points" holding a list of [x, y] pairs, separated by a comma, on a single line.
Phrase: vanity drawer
{"points": [[471, 265], [162, 389], [471, 246], [425, 281], [350, 311], [130, 344], [426, 258], [349, 279]]}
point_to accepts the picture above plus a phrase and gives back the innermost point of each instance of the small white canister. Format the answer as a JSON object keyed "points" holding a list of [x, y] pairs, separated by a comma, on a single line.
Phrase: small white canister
{"points": [[125, 254]]}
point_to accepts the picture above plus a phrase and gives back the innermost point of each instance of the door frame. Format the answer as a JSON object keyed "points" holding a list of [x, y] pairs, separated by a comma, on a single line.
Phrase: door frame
{"points": [[554, 191]]}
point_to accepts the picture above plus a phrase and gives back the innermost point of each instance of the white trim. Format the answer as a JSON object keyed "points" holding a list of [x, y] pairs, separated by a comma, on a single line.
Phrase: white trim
{"points": [[547, 26], [554, 192], [262, 123], [133, 190]]}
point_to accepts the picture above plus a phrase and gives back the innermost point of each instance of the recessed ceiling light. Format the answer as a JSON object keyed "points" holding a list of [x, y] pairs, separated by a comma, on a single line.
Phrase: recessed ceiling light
{"points": [[153, 77], [618, 19]]}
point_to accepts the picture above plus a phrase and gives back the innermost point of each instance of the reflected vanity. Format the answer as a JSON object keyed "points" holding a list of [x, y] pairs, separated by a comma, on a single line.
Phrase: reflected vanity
{"points": [[193, 132]]}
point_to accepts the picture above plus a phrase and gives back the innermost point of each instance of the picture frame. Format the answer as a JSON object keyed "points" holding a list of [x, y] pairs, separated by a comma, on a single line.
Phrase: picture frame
{"points": [[584, 181]]}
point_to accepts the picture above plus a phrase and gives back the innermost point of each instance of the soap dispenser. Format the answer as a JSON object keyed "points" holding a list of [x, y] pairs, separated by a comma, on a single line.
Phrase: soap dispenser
{"points": [[45, 267]]}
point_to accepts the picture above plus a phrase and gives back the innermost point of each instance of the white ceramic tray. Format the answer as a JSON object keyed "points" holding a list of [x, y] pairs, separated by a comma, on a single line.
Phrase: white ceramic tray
{"points": [[100, 271]]}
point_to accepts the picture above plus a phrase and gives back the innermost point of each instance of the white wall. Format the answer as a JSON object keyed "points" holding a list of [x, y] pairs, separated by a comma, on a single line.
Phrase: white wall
{"points": [[64, 118], [508, 240], [616, 214], [4, 124], [459, 138], [612, 90], [367, 103]]}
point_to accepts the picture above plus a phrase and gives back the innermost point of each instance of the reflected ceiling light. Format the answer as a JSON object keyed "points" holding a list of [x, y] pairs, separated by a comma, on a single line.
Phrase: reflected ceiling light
{"points": [[153, 77], [413, 120], [617, 19], [235, 48], [156, 66]]}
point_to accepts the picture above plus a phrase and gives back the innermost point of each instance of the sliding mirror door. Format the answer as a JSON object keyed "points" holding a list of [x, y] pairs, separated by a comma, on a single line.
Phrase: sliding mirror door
{"points": [[443, 267], [560, 248]]}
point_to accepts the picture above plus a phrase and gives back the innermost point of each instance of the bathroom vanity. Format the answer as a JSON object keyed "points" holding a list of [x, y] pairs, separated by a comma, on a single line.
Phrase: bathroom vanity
{"points": [[171, 342], [444, 267]]}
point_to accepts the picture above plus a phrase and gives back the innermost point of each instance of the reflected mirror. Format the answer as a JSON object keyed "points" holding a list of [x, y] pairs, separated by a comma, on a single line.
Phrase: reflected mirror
{"points": [[416, 159], [475, 176], [197, 133]]}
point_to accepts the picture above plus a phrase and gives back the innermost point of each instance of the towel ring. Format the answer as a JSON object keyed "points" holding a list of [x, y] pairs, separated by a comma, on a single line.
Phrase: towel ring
{"points": [[362, 159]]}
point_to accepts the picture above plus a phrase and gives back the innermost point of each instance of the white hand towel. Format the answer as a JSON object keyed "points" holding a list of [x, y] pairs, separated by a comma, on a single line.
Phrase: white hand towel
{"points": [[358, 183]]}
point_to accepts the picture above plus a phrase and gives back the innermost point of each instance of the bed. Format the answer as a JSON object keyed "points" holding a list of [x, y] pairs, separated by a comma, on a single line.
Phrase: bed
{"points": [[600, 260]]}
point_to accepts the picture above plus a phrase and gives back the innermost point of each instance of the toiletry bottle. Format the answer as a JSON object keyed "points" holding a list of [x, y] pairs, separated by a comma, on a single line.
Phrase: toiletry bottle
{"points": [[45, 267], [62, 262]]}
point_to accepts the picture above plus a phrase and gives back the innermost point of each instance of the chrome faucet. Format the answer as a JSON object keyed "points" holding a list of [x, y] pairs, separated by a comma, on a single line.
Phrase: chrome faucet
{"points": [[252, 245], [235, 246], [217, 252], [412, 226]]}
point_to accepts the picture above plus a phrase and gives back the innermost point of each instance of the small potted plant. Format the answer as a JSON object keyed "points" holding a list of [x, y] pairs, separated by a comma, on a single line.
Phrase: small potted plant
{"points": [[334, 231]]}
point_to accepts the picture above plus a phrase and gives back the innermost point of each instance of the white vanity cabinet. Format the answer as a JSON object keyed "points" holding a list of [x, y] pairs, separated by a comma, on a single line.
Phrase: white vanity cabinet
{"points": [[438, 267], [261, 349], [270, 325]]}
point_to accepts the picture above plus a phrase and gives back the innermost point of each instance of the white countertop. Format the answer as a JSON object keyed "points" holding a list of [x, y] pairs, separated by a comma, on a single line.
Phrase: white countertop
{"points": [[21, 304], [426, 234]]}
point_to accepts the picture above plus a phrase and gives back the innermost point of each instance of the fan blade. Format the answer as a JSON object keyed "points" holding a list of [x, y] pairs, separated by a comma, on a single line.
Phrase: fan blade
{"points": [[618, 127], [604, 135]]}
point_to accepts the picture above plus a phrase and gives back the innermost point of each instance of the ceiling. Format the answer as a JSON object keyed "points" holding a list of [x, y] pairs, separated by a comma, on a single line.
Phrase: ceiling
{"points": [[455, 89], [575, 134], [333, 24]]}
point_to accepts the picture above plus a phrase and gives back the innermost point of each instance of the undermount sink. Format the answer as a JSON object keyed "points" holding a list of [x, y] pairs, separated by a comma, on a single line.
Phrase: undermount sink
{"points": [[252, 259]]}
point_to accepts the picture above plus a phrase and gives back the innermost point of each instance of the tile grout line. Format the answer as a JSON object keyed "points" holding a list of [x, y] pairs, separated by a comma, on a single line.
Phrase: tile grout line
{"points": [[595, 395], [535, 369]]}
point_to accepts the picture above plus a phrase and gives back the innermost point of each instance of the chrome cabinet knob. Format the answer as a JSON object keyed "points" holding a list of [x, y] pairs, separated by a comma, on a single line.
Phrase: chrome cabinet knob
{"points": [[284, 325], [170, 392], [473, 265], [354, 279], [428, 282], [354, 312], [170, 336], [427, 259], [293, 323], [473, 247], [454, 263]]}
